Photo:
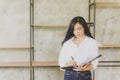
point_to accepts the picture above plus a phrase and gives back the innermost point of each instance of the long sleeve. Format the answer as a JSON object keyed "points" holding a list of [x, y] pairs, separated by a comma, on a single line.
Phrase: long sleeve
{"points": [[62, 56], [87, 50]]}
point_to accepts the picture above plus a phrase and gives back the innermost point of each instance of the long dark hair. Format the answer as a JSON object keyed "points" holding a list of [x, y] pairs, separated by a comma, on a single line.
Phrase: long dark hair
{"points": [[80, 20]]}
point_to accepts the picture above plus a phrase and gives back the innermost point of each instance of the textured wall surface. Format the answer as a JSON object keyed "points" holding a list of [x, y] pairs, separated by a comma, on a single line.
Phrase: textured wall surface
{"points": [[14, 22], [48, 39], [54, 12], [107, 24], [48, 43], [107, 32], [15, 31], [59, 11], [109, 73], [11, 55], [14, 74], [51, 73]]}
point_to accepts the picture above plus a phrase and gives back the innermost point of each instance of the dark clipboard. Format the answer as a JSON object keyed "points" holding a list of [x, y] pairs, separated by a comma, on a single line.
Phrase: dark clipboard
{"points": [[71, 67], [67, 67]]}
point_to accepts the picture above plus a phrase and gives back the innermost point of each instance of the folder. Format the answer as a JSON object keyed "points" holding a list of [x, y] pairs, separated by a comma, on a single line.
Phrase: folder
{"points": [[71, 67]]}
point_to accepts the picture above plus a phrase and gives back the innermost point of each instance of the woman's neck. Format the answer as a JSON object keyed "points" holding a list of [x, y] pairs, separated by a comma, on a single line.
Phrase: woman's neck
{"points": [[78, 40], [80, 37]]}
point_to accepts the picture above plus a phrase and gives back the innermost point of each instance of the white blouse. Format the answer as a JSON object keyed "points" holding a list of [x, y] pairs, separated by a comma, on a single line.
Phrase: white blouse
{"points": [[86, 51]]}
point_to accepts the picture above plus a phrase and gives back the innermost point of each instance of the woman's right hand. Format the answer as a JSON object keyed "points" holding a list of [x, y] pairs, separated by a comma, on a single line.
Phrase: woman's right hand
{"points": [[71, 63]]}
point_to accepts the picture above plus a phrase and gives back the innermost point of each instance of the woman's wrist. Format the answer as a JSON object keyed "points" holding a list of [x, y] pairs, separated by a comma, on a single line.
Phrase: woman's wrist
{"points": [[71, 63], [85, 67]]}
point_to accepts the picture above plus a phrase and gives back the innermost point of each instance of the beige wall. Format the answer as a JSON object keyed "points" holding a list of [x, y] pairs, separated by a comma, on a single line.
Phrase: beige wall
{"points": [[107, 32], [15, 31], [48, 40]]}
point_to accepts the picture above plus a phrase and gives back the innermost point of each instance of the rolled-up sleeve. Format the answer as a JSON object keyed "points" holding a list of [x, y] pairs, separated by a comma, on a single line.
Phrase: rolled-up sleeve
{"points": [[62, 56]]}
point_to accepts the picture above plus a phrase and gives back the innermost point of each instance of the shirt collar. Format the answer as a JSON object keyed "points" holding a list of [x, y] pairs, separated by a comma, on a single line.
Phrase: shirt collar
{"points": [[71, 40]]}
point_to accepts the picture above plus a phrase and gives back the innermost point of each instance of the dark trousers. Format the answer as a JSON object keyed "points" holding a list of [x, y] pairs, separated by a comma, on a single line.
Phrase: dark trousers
{"points": [[77, 75]]}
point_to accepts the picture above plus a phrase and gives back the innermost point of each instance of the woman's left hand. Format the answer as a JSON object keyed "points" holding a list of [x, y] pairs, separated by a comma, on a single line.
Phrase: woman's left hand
{"points": [[85, 67]]}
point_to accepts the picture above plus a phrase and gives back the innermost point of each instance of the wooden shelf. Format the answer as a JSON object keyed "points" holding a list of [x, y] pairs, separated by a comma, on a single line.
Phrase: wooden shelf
{"points": [[45, 64], [109, 46], [14, 64], [90, 24], [108, 65], [15, 47], [51, 26], [91, 4], [34, 64], [107, 3], [111, 3], [57, 26], [27, 64]]}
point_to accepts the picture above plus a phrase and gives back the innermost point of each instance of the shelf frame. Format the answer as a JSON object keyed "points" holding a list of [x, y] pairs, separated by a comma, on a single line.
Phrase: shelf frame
{"points": [[31, 39], [89, 15], [14, 65], [45, 64], [93, 5], [15, 47], [103, 3], [109, 46], [58, 26]]}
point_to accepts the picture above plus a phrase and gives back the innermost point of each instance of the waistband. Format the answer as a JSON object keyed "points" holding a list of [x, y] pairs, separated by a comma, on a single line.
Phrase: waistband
{"points": [[77, 70]]}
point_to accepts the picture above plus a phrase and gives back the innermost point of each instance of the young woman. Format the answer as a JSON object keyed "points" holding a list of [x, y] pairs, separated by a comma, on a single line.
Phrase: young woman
{"points": [[79, 47]]}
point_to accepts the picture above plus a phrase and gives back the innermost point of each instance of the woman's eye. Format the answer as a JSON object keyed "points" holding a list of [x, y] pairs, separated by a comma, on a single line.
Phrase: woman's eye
{"points": [[77, 29]]}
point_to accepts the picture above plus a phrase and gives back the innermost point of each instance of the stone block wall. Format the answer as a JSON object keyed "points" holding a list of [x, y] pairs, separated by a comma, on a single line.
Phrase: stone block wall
{"points": [[15, 31]]}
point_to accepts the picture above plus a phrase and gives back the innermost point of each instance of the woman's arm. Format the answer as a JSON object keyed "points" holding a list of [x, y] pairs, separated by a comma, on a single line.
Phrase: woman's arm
{"points": [[71, 63]]}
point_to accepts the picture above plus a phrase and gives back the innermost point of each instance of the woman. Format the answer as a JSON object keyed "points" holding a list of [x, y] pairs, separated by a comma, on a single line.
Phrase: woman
{"points": [[79, 47]]}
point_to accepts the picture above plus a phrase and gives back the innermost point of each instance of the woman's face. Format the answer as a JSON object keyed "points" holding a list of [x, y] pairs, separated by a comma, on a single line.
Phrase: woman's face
{"points": [[78, 30]]}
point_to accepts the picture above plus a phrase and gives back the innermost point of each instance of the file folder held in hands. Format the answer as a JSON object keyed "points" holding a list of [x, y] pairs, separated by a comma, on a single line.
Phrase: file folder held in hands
{"points": [[71, 67]]}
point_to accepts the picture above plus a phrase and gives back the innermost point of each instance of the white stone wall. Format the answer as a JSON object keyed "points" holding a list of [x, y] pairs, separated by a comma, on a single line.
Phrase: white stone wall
{"points": [[107, 32], [59, 11], [48, 73], [14, 74], [15, 31], [48, 40], [14, 22], [107, 24]]}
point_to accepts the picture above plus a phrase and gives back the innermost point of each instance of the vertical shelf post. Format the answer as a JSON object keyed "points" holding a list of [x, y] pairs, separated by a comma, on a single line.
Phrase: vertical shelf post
{"points": [[94, 14], [94, 20], [31, 39], [94, 17]]}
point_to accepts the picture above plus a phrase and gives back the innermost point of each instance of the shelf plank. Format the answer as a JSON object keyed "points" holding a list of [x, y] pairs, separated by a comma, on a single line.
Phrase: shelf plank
{"points": [[15, 47], [114, 3], [51, 26], [107, 3], [14, 64], [91, 4], [27, 64], [45, 64], [90, 24], [27, 47], [58, 26], [109, 46], [108, 65]]}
